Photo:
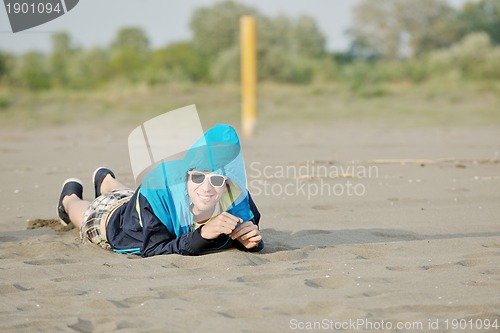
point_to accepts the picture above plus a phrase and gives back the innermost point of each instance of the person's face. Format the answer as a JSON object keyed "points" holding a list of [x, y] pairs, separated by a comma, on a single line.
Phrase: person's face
{"points": [[204, 195]]}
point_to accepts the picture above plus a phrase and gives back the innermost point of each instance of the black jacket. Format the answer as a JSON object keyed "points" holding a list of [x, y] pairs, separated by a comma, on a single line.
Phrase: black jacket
{"points": [[126, 235]]}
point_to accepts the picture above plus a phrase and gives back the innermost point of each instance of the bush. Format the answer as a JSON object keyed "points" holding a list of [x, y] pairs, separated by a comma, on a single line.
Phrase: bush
{"points": [[491, 66], [32, 71], [89, 69], [3, 65], [473, 57], [4, 102], [179, 61], [226, 67]]}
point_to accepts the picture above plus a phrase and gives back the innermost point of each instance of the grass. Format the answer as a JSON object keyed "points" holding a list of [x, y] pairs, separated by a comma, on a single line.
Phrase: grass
{"points": [[399, 104]]}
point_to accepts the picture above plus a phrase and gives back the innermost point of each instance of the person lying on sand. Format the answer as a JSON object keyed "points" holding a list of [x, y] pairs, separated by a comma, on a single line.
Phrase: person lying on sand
{"points": [[187, 206]]}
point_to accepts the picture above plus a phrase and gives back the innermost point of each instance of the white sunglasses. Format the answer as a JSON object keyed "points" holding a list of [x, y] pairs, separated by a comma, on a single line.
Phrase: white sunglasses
{"points": [[215, 180]]}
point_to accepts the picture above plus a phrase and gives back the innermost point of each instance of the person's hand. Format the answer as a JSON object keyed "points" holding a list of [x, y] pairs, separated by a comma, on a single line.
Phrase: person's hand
{"points": [[247, 234], [223, 223]]}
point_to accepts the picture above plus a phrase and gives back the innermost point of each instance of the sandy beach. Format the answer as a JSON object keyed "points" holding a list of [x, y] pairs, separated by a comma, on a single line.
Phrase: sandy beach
{"points": [[369, 228]]}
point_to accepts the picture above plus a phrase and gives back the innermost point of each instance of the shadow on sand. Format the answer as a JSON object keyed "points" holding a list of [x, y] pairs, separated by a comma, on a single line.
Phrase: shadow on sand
{"points": [[281, 240]]}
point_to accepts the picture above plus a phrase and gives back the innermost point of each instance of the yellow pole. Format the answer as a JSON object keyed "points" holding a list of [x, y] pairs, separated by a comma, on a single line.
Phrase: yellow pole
{"points": [[248, 75]]}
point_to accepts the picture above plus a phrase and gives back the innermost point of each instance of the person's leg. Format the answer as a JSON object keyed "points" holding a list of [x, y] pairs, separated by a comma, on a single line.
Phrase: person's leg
{"points": [[110, 184], [75, 208]]}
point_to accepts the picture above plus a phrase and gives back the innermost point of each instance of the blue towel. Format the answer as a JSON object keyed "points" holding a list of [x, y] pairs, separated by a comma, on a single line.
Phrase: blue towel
{"points": [[165, 187]]}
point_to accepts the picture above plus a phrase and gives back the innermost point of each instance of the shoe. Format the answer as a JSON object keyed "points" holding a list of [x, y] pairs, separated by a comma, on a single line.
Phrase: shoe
{"points": [[70, 186], [98, 176]]}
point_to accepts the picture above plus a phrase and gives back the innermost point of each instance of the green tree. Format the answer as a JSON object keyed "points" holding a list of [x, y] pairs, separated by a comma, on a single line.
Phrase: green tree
{"points": [[401, 28], [179, 61], [33, 72], [216, 28], [60, 58], [479, 16], [474, 57], [299, 37], [4, 67], [308, 38], [129, 53], [226, 68], [90, 69], [289, 50]]}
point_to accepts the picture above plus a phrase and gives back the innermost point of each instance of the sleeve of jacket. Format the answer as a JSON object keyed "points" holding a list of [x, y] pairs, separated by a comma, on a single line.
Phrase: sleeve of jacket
{"points": [[190, 243], [255, 220]]}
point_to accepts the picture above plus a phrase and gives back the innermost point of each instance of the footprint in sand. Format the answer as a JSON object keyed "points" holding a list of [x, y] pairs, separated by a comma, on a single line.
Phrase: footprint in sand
{"points": [[118, 304], [483, 254], [436, 267], [403, 268], [481, 283], [47, 262], [5, 239], [322, 308], [324, 207], [419, 268], [263, 280], [369, 251], [83, 325], [470, 262], [283, 256], [491, 245], [13, 288], [329, 282], [82, 277], [491, 271], [309, 268]]}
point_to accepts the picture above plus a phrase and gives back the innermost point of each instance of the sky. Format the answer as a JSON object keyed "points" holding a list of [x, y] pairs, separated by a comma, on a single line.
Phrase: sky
{"points": [[95, 22]]}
